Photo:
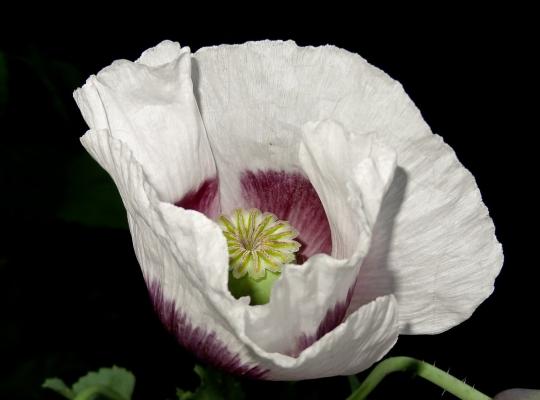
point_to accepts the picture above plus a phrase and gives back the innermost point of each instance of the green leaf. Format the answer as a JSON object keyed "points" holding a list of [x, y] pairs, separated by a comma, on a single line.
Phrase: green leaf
{"points": [[119, 380], [59, 387], [214, 386], [91, 198], [184, 394]]}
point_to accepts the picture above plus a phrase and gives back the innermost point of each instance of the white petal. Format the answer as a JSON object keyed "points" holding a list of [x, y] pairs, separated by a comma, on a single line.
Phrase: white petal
{"points": [[163, 53], [350, 175], [253, 103], [434, 244], [353, 346], [365, 337], [247, 97], [304, 295], [183, 256], [183, 300], [150, 106]]}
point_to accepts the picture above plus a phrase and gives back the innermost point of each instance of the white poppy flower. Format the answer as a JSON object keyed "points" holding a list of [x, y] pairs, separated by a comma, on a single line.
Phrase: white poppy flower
{"points": [[394, 236]]}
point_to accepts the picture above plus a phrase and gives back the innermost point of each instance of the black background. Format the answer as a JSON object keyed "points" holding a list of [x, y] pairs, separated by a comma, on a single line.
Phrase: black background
{"points": [[72, 297]]}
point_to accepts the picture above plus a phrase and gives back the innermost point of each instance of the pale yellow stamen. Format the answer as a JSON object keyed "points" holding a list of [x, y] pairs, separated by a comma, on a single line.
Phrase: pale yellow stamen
{"points": [[258, 242]]}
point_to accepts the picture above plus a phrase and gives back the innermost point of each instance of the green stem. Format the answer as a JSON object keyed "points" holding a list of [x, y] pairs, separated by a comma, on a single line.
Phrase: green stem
{"points": [[91, 392], [427, 371]]}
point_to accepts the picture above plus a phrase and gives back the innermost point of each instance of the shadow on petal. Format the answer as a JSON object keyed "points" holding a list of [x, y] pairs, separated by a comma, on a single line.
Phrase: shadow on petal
{"points": [[375, 278]]}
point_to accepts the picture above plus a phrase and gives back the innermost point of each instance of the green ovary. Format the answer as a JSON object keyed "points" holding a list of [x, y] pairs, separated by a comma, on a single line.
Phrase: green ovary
{"points": [[259, 245]]}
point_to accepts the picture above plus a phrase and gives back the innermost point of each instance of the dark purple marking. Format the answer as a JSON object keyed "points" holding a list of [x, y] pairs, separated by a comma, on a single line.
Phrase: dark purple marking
{"points": [[291, 197], [204, 199], [333, 317], [204, 344]]}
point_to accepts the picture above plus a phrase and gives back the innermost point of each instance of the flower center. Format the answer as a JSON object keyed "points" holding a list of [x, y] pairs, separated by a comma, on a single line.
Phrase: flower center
{"points": [[259, 245]]}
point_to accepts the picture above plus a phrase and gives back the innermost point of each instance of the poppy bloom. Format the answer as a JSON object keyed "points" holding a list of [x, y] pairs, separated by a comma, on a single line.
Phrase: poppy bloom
{"points": [[305, 167]]}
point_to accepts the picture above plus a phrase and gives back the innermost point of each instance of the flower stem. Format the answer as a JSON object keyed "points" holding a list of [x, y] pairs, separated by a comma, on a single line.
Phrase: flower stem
{"points": [[427, 371]]}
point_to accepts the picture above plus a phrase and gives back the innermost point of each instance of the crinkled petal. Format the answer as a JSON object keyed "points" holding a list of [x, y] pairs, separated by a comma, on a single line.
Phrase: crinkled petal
{"points": [[183, 256], [251, 119], [150, 105], [434, 245], [355, 345], [177, 285], [351, 175]]}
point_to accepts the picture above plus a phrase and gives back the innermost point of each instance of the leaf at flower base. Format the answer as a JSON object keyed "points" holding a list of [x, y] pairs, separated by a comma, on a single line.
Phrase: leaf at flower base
{"points": [[214, 386], [91, 198], [184, 394], [117, 379], [59, 387]]}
